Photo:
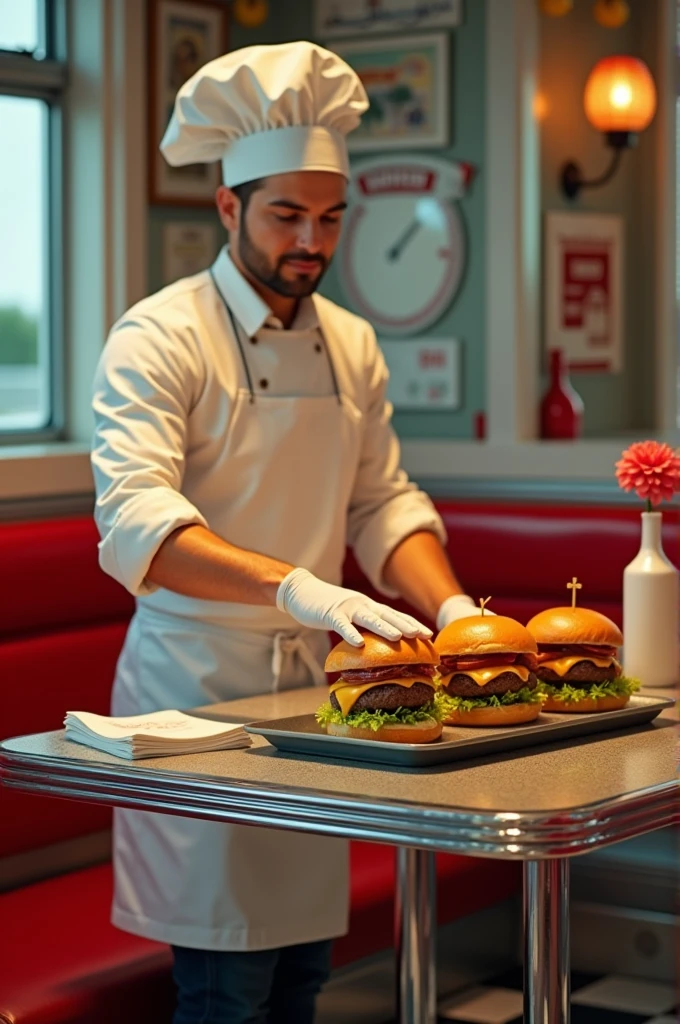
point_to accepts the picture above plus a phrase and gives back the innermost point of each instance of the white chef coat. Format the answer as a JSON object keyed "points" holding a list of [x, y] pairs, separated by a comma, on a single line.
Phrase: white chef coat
{"points": [[279, 441]]}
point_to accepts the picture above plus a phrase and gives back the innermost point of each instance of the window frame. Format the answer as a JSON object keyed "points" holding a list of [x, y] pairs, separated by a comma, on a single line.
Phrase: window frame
{"points": [[29, 77]]}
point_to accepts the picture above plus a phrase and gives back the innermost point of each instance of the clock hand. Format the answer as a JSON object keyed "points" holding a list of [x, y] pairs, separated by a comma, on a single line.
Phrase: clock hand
{"points": [[395, 251]]}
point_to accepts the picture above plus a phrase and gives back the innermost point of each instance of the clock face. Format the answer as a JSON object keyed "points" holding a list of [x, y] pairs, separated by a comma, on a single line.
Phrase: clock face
{"points": [[403, 250]]}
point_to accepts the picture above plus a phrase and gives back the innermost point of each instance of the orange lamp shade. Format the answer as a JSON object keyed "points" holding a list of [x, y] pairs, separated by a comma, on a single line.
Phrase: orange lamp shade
{"points": [[620, 95]]}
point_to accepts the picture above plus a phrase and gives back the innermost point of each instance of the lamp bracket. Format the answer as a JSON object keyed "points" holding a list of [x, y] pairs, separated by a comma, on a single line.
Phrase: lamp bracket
{"points": [[571, 176]]}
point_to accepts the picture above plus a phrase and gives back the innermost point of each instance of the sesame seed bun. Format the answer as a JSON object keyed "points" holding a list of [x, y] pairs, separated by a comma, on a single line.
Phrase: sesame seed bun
{"points": [[377, 652], [585, 706], [485, 634], [420, 732], [512, 714], [574, 626]]}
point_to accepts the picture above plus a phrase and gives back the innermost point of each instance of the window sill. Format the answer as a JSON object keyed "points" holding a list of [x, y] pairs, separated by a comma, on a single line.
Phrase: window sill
{"points": [[580, 471], [535, 460], [36, 471]]}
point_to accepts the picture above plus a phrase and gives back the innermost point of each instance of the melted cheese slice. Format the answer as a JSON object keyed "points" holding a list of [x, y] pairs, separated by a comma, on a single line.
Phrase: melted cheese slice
{"points": [[562, 665], [347, 694], [482, 676]]}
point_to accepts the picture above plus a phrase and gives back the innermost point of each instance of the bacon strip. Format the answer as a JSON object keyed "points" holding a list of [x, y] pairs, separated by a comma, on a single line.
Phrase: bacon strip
{"points": [[378, 675], [548, 652], [468, 662]]}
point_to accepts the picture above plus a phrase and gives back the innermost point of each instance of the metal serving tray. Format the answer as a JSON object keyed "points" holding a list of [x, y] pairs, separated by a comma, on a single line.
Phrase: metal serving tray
{"points": [[302, 734]]}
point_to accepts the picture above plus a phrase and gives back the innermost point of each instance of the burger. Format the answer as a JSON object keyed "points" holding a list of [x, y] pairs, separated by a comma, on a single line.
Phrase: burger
{"points": [[577, 665], [385, 691], [487, 668]]}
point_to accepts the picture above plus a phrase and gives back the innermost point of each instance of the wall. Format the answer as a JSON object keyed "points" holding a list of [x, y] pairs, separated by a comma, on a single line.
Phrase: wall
{"points": [[292, 19], [570, 46]]}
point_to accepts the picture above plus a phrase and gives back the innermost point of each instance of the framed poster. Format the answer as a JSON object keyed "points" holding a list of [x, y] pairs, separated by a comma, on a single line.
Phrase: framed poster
{"points": [[583, 289], [188, 248], [407, 81], [335, 18], [183, 36]]}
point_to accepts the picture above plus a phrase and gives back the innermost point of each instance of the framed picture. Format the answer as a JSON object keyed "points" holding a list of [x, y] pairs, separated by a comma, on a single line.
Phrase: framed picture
{"points": [[183, 36], [335, 18], [188, 248], [407, 82], [583, 289]]}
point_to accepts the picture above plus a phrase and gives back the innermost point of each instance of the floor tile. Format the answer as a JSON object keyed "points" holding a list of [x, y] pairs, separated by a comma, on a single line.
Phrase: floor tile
{"points": [[483, 1006], [600, 1015], [514, 978], [628, 995]]}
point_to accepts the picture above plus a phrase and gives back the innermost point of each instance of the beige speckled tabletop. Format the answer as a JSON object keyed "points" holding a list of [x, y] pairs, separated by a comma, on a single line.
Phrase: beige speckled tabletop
{"points": [[567, 797]]}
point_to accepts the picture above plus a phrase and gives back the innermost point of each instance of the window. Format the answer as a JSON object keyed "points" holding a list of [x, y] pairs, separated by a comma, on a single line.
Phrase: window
{"points": [[31, 88]]}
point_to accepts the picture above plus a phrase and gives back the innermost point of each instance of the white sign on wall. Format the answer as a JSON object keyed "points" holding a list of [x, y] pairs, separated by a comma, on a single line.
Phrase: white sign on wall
{"points": [[583, 261], [424, 374], [361, 17]]}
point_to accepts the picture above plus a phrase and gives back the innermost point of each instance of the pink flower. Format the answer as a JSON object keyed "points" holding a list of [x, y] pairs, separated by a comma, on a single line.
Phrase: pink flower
{"points": [[651, 469]]}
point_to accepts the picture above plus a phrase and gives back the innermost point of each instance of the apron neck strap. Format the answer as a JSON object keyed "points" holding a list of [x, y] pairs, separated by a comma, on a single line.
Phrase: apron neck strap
{"points": [[237, 336]]}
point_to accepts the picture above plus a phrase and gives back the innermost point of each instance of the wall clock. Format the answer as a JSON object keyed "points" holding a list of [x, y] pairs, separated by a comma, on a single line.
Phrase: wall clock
{"points": [[403, 250]]}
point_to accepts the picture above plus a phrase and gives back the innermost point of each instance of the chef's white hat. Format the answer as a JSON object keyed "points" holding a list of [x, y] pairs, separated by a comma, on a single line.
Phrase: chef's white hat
{"points": [[267, 110]]}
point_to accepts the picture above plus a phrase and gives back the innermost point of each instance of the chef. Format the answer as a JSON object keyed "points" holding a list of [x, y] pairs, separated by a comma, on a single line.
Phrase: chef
{"points": [[242, 441]]}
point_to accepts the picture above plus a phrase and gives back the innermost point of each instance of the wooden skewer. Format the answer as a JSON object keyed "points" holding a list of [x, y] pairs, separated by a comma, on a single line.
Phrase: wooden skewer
{"points": [[574, 586]]}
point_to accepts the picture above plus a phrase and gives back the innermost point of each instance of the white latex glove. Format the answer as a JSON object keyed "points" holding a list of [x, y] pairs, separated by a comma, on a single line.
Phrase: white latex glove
{"points": [[321, 605], [458, 606]]}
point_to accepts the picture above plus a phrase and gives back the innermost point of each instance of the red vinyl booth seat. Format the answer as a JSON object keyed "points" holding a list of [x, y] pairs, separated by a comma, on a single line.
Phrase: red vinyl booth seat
{"points": [[66, 963], [62, 623]]}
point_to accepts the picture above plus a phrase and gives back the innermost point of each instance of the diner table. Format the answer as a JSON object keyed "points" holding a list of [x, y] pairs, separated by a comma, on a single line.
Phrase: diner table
{"points": [[541, 805]]}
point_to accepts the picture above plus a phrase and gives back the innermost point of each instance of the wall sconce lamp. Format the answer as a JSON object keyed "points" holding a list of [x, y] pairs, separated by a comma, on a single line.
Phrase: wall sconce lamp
{"points": [[620, 101]]}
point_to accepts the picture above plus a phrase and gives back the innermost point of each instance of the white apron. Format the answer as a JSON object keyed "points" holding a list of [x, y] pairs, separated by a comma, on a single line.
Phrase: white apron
{"points": [[232, 887]]}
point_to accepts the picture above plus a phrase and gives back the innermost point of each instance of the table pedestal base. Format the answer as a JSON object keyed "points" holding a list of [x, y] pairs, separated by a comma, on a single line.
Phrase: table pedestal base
{"points": [[415, 936], [546, 941]]}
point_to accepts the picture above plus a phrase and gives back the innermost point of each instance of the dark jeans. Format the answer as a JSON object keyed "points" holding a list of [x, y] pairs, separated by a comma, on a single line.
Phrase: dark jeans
{"points": [[272, 986]]}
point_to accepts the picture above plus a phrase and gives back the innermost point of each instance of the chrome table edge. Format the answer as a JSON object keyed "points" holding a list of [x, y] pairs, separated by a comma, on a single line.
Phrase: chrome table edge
{"points": [[503, 834]]}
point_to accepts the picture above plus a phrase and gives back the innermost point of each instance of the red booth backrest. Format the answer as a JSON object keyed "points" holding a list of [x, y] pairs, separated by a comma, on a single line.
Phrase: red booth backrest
{"points": [[524, 555], [61, 629], [63, 621]]}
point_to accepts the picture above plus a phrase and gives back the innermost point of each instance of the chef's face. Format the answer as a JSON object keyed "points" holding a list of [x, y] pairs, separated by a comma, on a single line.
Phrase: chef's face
{"points": [[287, 230]]}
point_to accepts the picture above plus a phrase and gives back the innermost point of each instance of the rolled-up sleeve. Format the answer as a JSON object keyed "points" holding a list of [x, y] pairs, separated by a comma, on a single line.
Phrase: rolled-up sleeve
{"points": [[385, 507], [142, 397]]}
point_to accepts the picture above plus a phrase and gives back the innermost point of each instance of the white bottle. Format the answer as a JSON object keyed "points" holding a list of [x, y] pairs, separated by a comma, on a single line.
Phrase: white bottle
{"points": [[651, 622]]}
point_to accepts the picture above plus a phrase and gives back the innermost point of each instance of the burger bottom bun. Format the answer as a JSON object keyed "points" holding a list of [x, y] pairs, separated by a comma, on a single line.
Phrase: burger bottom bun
{"points": [[511, 714], [588, 704], [421, 732]]}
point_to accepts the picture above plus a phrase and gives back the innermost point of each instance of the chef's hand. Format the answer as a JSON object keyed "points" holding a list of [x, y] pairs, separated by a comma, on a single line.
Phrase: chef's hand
{"points": [[323, 606], [459, 606]]}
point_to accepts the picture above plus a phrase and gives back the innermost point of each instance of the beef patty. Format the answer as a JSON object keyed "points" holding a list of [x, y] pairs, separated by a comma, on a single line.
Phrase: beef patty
{"points": [[462, 685], [389, 697], [581, 672]]}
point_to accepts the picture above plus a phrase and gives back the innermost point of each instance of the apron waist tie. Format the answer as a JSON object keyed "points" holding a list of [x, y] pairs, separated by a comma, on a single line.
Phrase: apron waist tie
{"points": [[287, 647]]}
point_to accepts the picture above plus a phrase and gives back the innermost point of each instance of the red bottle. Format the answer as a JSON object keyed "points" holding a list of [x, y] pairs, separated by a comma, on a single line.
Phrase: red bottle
{"points": [[561, 406]]}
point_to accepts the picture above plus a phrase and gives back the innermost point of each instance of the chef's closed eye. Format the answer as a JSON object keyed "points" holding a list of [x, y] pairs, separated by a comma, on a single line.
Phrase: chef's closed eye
{"points": [[291, 218]]}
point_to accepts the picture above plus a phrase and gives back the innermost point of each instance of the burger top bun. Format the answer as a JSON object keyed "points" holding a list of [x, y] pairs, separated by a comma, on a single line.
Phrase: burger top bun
{"points": [[485, 634], [376, 653], [574, 626]]}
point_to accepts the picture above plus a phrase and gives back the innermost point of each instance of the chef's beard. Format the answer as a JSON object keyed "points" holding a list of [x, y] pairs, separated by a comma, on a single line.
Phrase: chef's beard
{"points": [[257, 264]]}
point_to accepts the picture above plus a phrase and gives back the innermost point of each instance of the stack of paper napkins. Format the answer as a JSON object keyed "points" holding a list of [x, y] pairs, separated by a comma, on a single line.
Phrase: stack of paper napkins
{"points": [[157, 734]]}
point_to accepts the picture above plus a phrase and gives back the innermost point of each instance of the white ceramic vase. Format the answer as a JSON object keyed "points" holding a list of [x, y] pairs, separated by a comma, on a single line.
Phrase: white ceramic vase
{"points": [[651, 616]]}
